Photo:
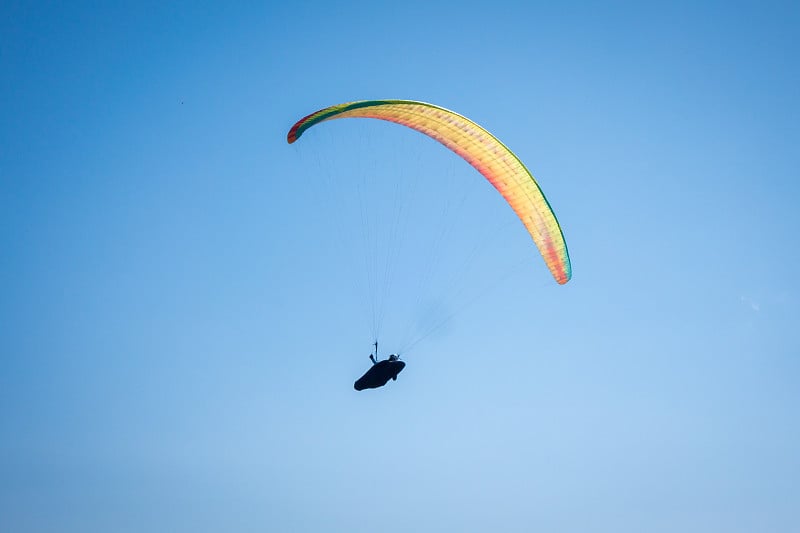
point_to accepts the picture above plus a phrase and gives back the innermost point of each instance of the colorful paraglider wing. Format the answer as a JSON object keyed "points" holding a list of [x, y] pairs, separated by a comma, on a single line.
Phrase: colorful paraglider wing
{"points": [[482, 150]]}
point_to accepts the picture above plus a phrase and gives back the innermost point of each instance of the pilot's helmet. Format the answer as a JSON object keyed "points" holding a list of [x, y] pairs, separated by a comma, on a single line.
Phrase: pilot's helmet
{"points": [[393, 357]]}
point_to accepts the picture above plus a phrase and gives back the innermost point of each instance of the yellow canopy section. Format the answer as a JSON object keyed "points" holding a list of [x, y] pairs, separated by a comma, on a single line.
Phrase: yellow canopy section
{"points": [[482, 150]]}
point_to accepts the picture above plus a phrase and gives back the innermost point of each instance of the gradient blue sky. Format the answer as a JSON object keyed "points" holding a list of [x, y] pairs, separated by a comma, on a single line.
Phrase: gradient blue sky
{"points": [[178, 341]]}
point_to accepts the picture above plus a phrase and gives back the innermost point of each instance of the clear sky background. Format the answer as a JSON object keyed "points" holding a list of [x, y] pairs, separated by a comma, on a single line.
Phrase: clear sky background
{"points": [[181, 319]]}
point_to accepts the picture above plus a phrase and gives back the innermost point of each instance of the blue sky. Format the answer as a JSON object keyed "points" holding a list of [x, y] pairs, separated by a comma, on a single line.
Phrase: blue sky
{"points": [[183, 314]]}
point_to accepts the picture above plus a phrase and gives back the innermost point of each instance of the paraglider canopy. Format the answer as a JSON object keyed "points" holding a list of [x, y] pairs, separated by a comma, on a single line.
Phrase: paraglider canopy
{"points": [[479, 148]]}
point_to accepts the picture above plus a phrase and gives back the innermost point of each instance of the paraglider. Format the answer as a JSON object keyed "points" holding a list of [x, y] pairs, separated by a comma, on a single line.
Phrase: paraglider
{"points": [[499, 165], [380, 372]]}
